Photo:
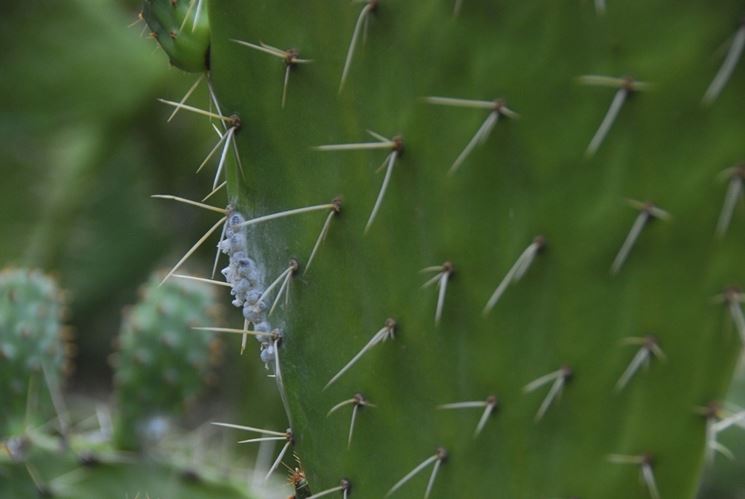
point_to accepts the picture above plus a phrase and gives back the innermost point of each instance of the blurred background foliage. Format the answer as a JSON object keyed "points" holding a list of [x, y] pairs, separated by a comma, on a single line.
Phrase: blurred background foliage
{"points": [[83, 145]]}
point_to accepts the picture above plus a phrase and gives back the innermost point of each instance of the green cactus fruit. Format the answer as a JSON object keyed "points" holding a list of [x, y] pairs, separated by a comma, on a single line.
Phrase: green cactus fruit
{"points": [[162, 364], [34, 348], [182, 29], [480, 308]]}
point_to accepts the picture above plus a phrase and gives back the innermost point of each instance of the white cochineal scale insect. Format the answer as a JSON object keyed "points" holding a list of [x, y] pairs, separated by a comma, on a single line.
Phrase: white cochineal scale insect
{"points": [[247, 284]]}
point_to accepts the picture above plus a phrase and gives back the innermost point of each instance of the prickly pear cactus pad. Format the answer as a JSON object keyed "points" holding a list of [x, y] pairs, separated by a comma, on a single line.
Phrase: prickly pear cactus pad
{"points": [[33, 348], [162, 364], [525, 256]]}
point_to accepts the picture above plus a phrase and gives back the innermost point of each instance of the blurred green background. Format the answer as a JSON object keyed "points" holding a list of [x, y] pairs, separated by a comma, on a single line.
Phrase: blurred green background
{"points": [[83, 145]]}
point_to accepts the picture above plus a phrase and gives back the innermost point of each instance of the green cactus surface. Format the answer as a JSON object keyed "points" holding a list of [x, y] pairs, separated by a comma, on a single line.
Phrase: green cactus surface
{"points": [[181, 27], [162, 364], [33, 348], [482, 306]]}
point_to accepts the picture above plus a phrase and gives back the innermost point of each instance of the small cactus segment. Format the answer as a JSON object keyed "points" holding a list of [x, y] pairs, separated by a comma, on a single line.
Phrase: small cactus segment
{"points": [[182, 29], [162, 364], [33, 348]]}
